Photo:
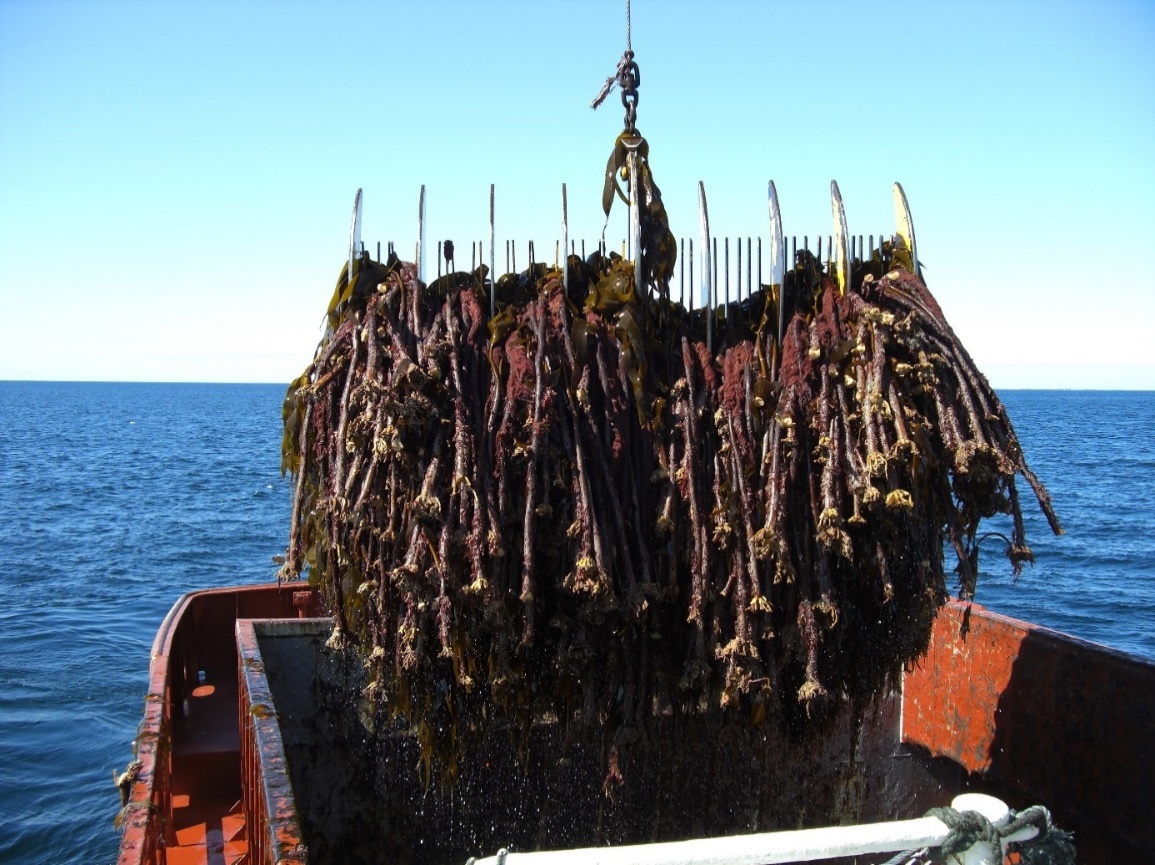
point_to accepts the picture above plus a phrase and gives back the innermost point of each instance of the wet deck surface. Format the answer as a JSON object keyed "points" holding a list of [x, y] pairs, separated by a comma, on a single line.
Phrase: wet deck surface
{"points": [[213, 840], [208, 820]]}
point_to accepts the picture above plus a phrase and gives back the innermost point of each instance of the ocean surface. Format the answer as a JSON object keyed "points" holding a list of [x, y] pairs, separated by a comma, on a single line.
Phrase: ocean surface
{"points": [[117, 498]]}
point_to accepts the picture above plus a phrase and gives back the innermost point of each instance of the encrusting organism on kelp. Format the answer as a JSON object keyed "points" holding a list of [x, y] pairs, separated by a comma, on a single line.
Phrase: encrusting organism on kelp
{"points": [[577, 510]]}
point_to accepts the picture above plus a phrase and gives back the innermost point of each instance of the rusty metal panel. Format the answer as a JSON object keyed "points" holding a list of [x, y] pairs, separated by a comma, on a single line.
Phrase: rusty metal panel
{"points": [[1064, 722], [951, 696]]}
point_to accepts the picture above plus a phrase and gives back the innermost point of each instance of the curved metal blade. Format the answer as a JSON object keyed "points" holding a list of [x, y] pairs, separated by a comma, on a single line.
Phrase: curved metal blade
{"points": [[707, 268], [905, 225], [354, 236], [777, 260], [841, 239], [564, 242], [492, 256], [421, 235], [777, 256]]}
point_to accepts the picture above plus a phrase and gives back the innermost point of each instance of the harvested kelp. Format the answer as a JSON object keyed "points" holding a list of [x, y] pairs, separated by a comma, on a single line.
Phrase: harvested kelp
{"points": [[577, 511]]}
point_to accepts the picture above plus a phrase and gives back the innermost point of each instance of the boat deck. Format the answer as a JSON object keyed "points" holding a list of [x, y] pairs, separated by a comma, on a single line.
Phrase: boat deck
{"points": [[208, 821], [1027, 714], [190, 742]]}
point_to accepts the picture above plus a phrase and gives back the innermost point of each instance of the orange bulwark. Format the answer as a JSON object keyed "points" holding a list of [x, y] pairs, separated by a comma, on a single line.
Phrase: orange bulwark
{"points": [[185, 805], [1009, 708]]}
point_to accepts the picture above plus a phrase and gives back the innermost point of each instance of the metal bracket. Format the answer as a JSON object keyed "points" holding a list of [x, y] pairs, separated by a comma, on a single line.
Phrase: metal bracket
{"points": [[632, 144]]}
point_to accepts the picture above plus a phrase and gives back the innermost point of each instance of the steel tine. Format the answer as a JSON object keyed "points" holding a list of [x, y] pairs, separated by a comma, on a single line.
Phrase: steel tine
{"points": [[905, 225], [777, 255], [750, 268], [354, 236], [714, 292], [739, 269], [726, 271], [759, 247], [492, 255], [690, 295], [439, 259], [421, 235], [841, 247], [777, 262], [378, 250], [565, 240], [738, 293], [682, 272], [707, 285]]}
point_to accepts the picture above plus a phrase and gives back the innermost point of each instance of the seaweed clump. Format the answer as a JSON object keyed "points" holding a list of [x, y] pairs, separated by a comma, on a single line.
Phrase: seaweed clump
{"points": [[585, 511]]}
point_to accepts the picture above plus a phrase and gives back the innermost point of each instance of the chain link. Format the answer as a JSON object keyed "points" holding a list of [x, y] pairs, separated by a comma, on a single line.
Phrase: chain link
{"points": [[629, 80], [628, 77]]}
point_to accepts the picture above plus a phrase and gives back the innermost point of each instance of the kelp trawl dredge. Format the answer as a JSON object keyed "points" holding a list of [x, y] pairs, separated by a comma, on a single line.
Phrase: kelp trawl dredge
{"points": [[567, 494]]}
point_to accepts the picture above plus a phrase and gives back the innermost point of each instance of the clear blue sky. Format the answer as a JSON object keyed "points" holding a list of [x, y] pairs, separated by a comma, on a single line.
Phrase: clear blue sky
{"points": [[176, 178]]}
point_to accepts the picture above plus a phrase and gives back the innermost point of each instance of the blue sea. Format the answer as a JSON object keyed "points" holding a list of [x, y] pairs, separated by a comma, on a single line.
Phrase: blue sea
{"points": [[117, 498]]}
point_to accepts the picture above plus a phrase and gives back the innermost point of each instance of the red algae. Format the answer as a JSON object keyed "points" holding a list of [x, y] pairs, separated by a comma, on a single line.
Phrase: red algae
{"points": [[584, 512]]}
